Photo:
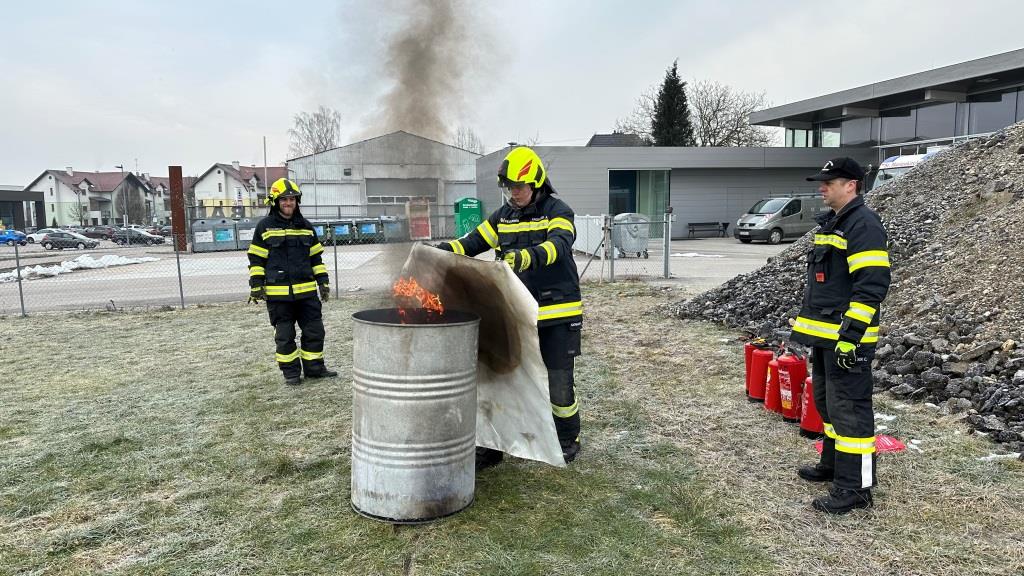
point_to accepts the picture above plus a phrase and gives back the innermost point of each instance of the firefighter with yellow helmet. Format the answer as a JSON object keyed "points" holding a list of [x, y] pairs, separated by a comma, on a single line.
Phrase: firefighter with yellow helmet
{"points": [[533, 233], [286, 270]]}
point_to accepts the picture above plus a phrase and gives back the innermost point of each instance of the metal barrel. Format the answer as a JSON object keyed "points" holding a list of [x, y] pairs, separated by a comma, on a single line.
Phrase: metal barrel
{"points": [[413, 414]]}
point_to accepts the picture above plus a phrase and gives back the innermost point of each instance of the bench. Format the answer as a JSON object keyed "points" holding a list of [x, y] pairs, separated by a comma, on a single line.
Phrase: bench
{"points": [[716, 227]]}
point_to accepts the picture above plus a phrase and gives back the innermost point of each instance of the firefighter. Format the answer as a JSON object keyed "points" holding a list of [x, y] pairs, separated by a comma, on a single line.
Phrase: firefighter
{"points": [[286, 270], [847, 279], [533, 233]]}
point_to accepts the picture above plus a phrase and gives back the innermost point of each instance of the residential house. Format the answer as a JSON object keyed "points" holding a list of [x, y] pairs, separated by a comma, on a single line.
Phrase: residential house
{"points": [[92, 198], [233, 190]]}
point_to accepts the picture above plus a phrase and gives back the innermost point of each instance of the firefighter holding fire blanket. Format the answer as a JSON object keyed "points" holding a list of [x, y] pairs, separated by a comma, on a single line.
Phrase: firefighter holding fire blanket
{"points": [[533, 233], [847, 279]]}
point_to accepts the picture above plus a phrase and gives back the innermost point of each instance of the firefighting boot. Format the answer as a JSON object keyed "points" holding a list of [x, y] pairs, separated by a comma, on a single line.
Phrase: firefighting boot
{"points": [[816, 473], [324, 372], [842, 500], [570, 450], [488, 457], [292, 379]]}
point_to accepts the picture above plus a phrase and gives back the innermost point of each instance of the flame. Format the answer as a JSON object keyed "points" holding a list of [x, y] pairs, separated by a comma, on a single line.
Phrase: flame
{"points": [[409, 290]]}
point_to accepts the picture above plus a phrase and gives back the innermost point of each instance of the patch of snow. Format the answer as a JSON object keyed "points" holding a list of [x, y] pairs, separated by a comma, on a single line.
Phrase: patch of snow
{"points": [[994, 457], [884, 417], [695, 255], [84, 262]]}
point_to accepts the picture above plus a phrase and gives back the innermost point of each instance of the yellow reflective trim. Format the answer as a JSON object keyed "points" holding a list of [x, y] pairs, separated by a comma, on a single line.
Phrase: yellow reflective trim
{"points": [[526, 259], [458, 248], [319, 269], [257, 271], [563, 310], [304, 287], [489, 235], [868, 258], [561, 223], [286, 232], [830, 240], [829, 331], [258, 251], [829, 430], [316, 249], [565, 411], [549, 247], [311, 355], [861, 312], [273, 290], [287, 358], [855, 445], [534, 225]]}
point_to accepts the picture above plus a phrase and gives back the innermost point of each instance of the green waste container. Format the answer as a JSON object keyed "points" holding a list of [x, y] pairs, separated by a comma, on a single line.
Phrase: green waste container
{"points": [[468, 215]]}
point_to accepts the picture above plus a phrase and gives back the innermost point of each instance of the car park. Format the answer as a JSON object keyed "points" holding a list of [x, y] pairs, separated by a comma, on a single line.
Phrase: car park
{"points": [[61, 239], [12, 237], [132, 236], [775, 219], [100, 232]]}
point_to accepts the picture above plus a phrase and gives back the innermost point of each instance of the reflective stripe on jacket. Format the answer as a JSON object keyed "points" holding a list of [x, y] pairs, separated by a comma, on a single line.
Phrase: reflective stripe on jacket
{"points": [[546, 231], [848, 275], [285, 256]]}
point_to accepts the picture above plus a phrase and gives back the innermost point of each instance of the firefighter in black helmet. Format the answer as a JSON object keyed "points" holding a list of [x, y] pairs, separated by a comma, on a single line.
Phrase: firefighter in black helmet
{"points": [[533, 232], [286, 270]]}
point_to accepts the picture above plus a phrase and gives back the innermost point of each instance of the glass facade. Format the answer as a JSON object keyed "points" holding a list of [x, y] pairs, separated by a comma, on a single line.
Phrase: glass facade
{"points": [[642, 191], [897, 130], [990, 112]]}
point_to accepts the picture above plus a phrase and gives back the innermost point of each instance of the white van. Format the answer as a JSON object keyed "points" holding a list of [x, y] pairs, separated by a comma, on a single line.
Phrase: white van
{"points": [[775, 219]]}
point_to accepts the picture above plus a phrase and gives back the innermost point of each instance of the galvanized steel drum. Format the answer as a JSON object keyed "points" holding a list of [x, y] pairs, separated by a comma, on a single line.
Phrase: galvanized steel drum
{"points": [[413, 413]]}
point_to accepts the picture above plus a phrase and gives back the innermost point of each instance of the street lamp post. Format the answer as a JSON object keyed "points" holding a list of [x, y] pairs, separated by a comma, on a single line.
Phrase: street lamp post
{"points": [[124, 196]]}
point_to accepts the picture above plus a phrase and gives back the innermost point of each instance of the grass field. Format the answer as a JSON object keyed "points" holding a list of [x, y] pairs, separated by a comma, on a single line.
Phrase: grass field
{"points": [[163, 442]]}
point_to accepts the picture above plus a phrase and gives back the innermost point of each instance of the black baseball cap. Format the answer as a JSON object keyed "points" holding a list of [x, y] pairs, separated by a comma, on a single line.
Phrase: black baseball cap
{"points": [[842, 167]]}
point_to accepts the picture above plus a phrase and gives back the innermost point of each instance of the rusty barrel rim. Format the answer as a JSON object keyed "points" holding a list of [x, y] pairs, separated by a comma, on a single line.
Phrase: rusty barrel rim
{"points": [[389, 317]]}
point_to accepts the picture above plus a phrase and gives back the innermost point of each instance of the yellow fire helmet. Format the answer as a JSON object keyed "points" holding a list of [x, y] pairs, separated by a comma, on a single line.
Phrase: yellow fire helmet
{"points": [[283, 188], [522, 166]]}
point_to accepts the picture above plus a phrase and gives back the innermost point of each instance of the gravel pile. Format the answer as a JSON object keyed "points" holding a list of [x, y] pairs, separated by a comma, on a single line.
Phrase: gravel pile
{"points": [[953, 321]]}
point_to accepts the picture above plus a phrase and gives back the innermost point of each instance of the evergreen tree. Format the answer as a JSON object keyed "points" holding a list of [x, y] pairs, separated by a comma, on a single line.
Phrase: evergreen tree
{"points": [[672, 125]]}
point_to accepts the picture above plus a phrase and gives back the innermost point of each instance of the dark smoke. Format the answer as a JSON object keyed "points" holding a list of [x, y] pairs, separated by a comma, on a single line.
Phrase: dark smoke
{"points": [[427, 59]]}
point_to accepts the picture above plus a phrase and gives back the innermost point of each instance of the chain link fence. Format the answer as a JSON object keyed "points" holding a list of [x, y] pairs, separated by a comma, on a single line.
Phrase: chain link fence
{"points": [[365, 248]]}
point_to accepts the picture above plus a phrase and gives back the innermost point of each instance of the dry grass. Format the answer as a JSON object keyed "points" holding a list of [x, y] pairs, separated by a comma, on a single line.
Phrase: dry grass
{"points": [[163, 443]]}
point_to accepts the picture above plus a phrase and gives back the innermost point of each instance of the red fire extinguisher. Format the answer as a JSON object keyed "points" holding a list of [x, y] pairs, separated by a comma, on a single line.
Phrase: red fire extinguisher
{"points": [[757, 376], [811, 425], [792, 372], [772, 398], [756, 370]]}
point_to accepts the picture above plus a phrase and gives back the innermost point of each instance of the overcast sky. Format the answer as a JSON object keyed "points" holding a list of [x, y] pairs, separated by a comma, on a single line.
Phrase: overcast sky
{"points": [[96, 84]]}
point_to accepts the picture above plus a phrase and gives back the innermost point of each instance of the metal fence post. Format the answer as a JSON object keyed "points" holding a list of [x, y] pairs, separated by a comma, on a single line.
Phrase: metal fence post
{"points": [[17, 270], [181, 281], [611, 246], [337, 282], [668, 243]]}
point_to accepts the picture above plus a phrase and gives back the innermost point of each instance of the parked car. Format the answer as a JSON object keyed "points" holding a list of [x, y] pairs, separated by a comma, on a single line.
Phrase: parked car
{"points": [[166, 230], [100, 232], [62, 240], [12, 237], [135, 236], [774, 219], [38, 234]]}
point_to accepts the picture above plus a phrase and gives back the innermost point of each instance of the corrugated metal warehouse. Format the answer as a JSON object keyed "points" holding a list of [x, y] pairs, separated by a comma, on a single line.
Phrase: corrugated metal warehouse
{"points": [[376, 177]]}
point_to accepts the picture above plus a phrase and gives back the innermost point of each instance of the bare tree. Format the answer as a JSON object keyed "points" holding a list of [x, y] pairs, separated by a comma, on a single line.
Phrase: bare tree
{"points": [[467, 139], [721, 115], [641, 118], [78, 211], [314, 132]]}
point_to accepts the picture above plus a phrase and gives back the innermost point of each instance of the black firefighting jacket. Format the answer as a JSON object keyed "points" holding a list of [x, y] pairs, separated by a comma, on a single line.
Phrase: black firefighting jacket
{"points": [[285, 257], [847, 279], [545, 229]]}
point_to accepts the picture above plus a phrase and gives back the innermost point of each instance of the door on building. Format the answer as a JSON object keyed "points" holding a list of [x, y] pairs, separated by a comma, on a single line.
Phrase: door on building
{"points": [[642, 191]]}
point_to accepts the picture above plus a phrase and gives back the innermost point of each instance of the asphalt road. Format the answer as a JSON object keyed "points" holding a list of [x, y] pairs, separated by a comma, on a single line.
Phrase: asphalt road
{"points": [[222, 276]]}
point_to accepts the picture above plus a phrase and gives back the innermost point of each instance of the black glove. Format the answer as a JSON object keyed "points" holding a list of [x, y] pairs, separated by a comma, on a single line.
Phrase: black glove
{"points": [[325, 292], [518, 260], [846, 354], [257, 293], [446, 246]]}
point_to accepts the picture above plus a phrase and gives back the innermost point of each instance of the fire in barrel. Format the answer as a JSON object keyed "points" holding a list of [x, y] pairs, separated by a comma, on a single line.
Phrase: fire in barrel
{"points": [[413, 408]]}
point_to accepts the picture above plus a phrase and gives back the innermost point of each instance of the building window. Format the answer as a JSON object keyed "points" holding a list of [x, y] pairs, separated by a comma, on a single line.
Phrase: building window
{"points": [[796, 138], [960, 129], [936, 121], [856, 132], [991, 112], [348, 171], [899, 125], [220, 187], [829, 134]]}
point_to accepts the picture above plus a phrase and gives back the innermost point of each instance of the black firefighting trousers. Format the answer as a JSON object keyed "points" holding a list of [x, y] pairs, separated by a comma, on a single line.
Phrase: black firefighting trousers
{"points": [[559, 346], [843, 397], [284, 314]]}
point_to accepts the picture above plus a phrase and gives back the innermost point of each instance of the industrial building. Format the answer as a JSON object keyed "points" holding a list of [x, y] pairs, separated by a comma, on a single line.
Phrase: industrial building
{"points": [[17, 208], [379, 176]]}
